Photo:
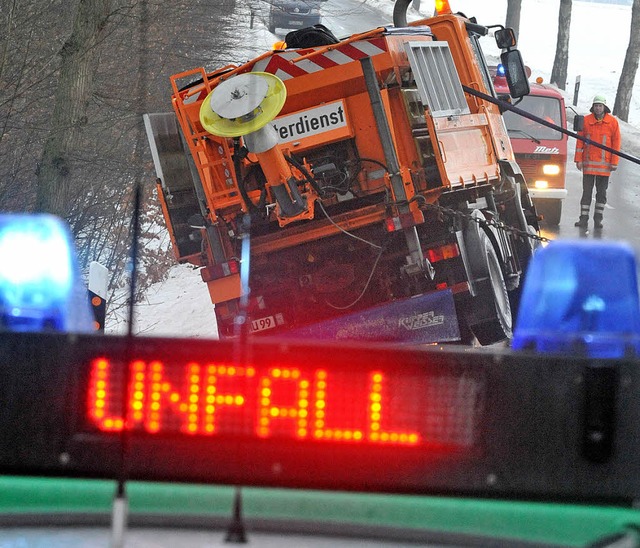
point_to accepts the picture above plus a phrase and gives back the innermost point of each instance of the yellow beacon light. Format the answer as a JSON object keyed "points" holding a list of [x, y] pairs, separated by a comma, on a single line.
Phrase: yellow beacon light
{"points": [[442, 7]]}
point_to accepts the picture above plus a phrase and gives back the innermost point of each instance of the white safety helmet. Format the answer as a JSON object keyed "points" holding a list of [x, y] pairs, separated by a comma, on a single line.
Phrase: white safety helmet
{"points": [[602, 100]]}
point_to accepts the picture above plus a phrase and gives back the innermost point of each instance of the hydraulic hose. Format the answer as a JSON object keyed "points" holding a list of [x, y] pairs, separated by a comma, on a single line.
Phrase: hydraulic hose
{"points": [[243, 191], [400, 18], [305, 172], [400, 12]]}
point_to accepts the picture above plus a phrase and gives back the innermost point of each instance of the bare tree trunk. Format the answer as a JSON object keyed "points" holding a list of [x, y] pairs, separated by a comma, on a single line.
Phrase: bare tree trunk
{"points": [[69, 109], [561, 61], [7, 19], [513, 15], [630, 67]]}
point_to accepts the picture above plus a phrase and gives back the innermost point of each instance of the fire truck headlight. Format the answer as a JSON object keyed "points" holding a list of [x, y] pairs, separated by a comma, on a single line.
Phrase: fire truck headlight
{"points": [[541, 183], [551, 169], [40, 286], [581, 298]]}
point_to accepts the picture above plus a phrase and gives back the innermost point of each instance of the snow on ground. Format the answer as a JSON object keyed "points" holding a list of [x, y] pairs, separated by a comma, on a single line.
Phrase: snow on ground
{"points": [[180, 306]]}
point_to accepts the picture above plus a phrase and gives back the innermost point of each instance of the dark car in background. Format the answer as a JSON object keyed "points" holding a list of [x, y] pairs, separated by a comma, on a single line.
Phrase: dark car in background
{"points": [[293, 14]]}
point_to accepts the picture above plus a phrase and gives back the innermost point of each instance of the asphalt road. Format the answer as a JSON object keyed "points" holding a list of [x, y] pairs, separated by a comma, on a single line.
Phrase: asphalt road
{"points": [[346, 17], [622, 213]]}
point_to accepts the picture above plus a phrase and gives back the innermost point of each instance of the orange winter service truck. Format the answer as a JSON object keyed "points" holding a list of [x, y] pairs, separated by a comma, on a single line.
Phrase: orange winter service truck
{"points": [[354, 188]]}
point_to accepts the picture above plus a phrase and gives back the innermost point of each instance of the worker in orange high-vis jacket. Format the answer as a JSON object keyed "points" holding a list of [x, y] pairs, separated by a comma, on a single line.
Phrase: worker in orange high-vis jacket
{"points": [[596, 163]]}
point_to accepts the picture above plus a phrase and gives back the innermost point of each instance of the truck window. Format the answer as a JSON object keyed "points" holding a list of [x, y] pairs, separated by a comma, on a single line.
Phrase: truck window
{"points": [[547, 108], [482, 63]]}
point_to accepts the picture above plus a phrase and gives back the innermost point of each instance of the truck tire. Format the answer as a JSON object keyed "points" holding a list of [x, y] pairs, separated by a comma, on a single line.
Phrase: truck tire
{"points": [[551, 211], [489, 312]]}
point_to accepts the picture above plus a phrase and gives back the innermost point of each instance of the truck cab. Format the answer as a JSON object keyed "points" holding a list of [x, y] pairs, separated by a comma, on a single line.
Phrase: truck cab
{"points": [[540, 151]]}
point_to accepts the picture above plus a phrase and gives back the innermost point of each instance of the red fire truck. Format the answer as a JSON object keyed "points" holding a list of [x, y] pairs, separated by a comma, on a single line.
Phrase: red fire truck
{"points": [[540, 151]]}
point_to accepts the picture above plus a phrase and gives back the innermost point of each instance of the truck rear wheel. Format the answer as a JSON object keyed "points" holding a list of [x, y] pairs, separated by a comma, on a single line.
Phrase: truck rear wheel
{"points": [[489, 314], [551, 211]]}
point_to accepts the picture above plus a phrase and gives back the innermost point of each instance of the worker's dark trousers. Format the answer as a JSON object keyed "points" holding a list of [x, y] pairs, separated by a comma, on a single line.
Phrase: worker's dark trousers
{"points": [[601, 182]]}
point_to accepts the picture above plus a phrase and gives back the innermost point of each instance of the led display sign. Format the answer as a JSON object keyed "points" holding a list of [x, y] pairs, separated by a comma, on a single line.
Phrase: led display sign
{"points": [[320, 416], [329, 403]]}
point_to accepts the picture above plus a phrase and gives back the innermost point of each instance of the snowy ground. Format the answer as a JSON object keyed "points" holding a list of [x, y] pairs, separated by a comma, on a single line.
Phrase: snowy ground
{"points": [[180, 306]]}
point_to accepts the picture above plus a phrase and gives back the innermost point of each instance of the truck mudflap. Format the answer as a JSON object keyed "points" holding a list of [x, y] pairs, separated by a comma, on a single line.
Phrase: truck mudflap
{"points": [[424, 319]]}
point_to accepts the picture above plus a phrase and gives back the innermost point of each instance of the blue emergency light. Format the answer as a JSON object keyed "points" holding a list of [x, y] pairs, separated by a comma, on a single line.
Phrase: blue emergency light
{"points": [[40, 285], [581, 298]]}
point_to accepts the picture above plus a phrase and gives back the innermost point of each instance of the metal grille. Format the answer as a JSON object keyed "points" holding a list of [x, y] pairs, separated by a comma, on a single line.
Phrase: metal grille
{"points": [[530, 168], [436, 78]]}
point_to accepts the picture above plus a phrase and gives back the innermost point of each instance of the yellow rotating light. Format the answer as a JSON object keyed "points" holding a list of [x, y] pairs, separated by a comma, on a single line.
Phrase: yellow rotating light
{"points": [[442, 7], [243, 104]]}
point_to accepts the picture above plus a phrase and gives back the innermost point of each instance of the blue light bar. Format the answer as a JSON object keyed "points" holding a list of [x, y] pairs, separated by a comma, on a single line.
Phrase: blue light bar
{"points": [[40, 285], [581, 298]]}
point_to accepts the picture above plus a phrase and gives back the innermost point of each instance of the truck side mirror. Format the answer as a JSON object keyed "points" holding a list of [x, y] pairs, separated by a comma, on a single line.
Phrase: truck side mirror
{"points": [[515, 73], [578, 122], [505, 38]]}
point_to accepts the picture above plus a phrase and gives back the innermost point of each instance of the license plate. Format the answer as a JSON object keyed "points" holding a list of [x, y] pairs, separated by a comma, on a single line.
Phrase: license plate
{"points": [[295, 23], [268, 322]]}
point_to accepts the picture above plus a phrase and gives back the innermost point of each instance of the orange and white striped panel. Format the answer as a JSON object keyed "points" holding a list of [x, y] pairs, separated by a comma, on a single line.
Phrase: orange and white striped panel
{"points": [[280, 63]]}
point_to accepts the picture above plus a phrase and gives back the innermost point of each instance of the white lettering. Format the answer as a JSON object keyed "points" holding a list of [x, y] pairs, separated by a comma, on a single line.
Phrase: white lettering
{"points": [[420, 321], [546, 150]]}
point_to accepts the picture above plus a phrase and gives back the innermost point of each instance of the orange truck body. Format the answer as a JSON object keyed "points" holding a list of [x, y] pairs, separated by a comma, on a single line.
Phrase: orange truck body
{"points": [[368, 237]]}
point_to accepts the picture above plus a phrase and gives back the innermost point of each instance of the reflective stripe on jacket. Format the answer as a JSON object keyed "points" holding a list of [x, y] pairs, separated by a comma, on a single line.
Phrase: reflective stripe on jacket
{"points": [[596, 161]]}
